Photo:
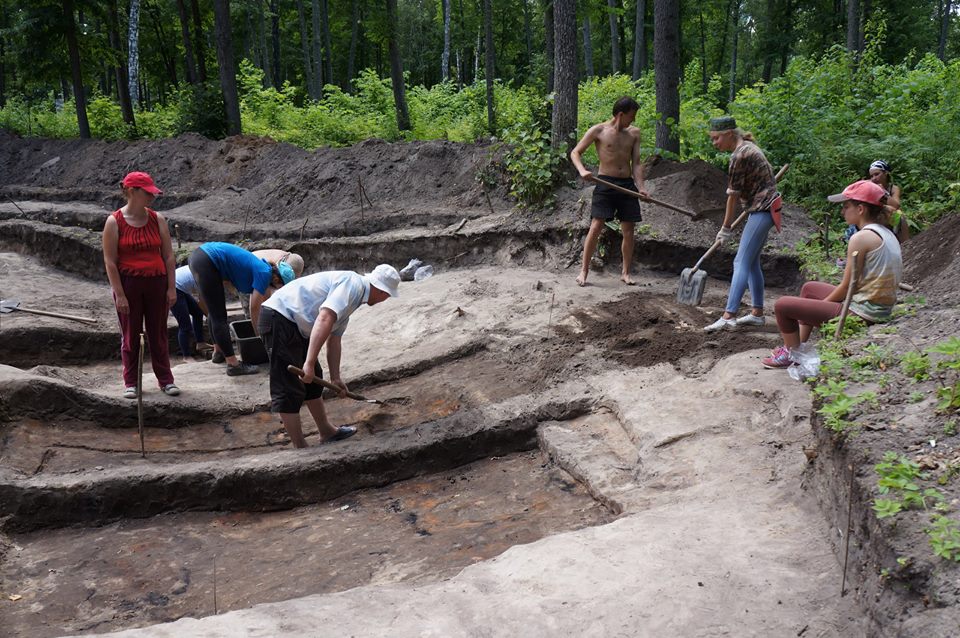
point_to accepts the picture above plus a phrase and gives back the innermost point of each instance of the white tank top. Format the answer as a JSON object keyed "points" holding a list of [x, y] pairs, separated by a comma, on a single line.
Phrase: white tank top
{"points": [[882, 269]]}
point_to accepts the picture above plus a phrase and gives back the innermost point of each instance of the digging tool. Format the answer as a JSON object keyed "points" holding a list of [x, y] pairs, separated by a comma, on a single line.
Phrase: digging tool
{"points": [[9, 305], [352, 395], [693, 281], [627, 191], [143, 449], [854, 273]]}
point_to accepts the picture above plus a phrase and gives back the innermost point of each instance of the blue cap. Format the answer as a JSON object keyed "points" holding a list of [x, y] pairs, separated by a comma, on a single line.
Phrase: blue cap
{"points": [[286, 272]]}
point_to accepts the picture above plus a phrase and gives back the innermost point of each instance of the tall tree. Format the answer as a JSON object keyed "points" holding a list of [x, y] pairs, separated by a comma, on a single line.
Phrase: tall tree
{"points": [[189, 69], [489, 66], [614, 36], [853, 25], [327, 50], [199, 39], [133, 51], [527, 35], [73, 49], [587, 48], [354, 39], [228, 73], [564, 120], [317, 55], [944, 28], [666, 72], [396, 68], [275, 40], [445, 58], [312, 89], [640, 41], [120, 69], [548, 40], [733, 50]]}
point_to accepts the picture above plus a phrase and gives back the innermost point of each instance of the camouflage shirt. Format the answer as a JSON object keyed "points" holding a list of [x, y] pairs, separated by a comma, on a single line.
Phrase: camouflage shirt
{"points": [[751, 177]]}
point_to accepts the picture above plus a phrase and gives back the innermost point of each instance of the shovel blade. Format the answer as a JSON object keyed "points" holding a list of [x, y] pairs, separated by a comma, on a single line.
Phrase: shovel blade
{"points": [[692, 285], [9, 305]]}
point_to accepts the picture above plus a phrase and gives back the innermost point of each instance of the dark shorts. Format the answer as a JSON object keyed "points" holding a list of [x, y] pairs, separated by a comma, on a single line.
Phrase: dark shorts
{"points": [[608, 203], [286, 346]]}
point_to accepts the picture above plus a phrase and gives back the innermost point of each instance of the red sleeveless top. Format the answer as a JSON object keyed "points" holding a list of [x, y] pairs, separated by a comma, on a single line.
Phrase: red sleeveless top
{"points": [[138, 249]]}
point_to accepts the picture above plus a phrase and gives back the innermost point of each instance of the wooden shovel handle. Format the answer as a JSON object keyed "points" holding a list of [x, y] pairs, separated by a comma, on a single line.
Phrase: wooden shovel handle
{"points": [[56, 314], [329, 386], [627, 191], [854, 273], [736, 222]]}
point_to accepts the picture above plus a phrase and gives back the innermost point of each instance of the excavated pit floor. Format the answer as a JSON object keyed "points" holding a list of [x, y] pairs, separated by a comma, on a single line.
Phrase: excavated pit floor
{"points": [[138, 572]]}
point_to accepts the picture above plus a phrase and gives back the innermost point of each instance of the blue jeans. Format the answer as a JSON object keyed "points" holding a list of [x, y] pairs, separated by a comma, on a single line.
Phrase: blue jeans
{"points": [[746, 265], [189, 318]]}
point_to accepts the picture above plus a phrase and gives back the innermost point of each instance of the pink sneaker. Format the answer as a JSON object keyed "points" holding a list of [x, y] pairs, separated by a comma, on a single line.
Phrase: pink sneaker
{"points": [[779, 358]]}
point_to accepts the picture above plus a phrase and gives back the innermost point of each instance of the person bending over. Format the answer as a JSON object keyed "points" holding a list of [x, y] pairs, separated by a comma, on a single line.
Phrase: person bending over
{"points": [[214, 263], [301, 318]]}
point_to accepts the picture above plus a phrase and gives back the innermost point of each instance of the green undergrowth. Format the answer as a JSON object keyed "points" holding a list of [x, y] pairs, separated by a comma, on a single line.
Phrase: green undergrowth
{"points": [[851, 393]]}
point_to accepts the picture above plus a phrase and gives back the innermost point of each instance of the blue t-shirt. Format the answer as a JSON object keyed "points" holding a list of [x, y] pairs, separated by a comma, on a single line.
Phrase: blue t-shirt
{"points": [[242, 268]]}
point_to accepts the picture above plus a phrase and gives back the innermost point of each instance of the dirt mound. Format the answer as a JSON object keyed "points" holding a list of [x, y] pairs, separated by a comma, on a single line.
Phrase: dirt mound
{"points": [[186, 163], [931, 260], [695, 185]]}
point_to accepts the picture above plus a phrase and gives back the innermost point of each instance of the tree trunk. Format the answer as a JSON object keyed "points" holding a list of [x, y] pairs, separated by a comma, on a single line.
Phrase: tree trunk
{"points": [[445, 57], [70, 29], [527, 34], [865, 11], [733, 51], [564, 120], [614, 37], [169, 61], [396, 69], [489, 66], [275, 37], [769, 41], [853, 25], [548, 41], [189, 70], [640, 41], [123, 86], [133, 52], [787, 38], [317, 55], [264, 55], [354, 37], [327, 50], [703, 54], [228, 74], [666, 70], [305, 53], [587, 48], [944, 31], [198, 38]]}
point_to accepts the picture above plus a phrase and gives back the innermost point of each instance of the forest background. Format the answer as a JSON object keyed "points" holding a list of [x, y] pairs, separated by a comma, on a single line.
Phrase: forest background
{"points": [[827, 85]]}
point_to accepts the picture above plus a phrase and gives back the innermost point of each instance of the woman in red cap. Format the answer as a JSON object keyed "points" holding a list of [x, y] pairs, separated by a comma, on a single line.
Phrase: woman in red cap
{"points": [[879, 263], [140, 265]]}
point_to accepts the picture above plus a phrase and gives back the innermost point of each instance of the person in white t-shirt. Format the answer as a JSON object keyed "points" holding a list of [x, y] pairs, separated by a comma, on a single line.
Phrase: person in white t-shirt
{"points": [[301, 318]]}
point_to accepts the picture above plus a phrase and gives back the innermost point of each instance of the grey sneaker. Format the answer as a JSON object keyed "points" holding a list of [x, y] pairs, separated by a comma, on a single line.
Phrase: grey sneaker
{"points": [[721, 324], [241, 369], [171, 390], [130, 393], [751, 320]]}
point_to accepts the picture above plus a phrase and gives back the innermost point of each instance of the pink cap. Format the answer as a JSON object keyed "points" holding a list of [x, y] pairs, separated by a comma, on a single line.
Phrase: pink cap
{"points": [[138, 179], [862, 191]]}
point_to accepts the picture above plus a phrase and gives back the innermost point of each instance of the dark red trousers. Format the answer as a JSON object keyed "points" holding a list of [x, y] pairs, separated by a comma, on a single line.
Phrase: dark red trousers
{"points": [[148, 307]]}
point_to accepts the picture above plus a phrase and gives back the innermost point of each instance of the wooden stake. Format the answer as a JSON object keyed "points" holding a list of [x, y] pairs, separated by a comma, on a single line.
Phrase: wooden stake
{"points": [[553, 298], [854, 274], [143, 450], [15, 204], [846, 541], [304, 227], [489, 203], [214, 584], [176, 229]]}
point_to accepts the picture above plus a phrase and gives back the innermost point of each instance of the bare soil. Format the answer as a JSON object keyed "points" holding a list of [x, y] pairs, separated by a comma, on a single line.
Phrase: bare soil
{"points": [[505, 281]]}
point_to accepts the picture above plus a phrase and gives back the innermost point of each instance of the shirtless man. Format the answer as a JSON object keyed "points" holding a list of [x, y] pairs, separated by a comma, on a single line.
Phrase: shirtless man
{"points": [[618, 147]]}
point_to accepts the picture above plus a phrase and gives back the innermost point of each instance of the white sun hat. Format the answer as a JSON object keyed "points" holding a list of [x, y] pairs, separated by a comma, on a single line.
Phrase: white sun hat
{"points": [[386, 278]]}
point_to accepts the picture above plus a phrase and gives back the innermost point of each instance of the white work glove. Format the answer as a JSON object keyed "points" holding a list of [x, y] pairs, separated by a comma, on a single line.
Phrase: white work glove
{"points": [[724, 235]]}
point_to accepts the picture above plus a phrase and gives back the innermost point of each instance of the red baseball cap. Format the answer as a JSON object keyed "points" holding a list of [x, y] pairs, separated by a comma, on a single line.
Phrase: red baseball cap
{"points": [[138, 179], [862, 191]]}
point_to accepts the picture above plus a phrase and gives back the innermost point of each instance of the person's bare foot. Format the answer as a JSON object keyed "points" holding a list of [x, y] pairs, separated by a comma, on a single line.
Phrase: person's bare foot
{"points": [[582, 279], [627, 280]]}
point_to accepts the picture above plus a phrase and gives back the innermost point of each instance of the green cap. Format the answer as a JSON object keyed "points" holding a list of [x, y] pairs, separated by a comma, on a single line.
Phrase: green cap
{"points": [[723, 123]]}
